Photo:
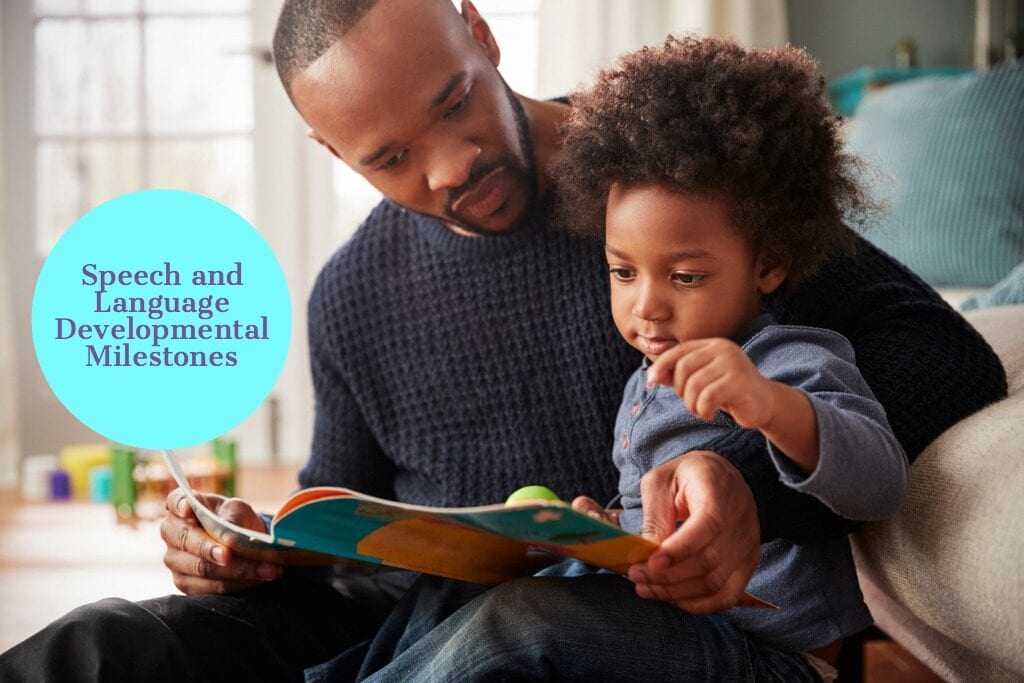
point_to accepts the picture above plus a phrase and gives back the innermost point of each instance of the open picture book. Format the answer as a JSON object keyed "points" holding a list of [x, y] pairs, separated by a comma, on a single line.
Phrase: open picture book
{"points": [[487, 544]]}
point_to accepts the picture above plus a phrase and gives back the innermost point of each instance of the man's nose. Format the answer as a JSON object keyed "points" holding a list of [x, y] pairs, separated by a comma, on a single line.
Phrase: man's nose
{"points": [[649, 303], [451, 163]]}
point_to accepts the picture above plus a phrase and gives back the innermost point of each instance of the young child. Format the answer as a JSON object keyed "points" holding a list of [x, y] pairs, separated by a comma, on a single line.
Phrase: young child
{"points": [[715, 178]]}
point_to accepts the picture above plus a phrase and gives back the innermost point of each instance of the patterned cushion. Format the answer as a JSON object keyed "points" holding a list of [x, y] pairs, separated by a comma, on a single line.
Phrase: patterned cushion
{"points": [[947, 156], [1010, 290]]}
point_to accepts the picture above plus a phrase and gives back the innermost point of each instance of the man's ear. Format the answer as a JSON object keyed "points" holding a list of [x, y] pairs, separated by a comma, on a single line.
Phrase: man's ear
{"points": [[481, 32], [315, 137], [770, 275]]}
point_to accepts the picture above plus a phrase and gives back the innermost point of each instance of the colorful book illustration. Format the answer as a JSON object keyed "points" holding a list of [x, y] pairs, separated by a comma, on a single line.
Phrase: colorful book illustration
{"points": [[488, 544]]}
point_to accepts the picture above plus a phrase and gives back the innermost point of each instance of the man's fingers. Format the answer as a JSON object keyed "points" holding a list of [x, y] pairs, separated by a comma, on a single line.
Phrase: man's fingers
{"points": [[239, 512], [679, 558], [676, 569], [187, 536], [699, 596], [697, 588], [704, 525], [185, 563], [659, 505], [177, 504], [186, 566], [199, 564], [193, 584], [724, 599]]}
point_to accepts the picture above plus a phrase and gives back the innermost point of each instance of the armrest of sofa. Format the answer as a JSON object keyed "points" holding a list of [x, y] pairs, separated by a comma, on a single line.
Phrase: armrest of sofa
{"points": [[945, 575]]}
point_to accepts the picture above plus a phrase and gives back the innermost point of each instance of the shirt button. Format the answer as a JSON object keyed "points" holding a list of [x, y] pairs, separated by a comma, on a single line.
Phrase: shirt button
{"points": [[636, 410], [625, 442]]}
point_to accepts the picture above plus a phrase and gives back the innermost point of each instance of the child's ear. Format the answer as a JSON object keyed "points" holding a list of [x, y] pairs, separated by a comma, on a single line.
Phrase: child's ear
{"points": [[770, 275], [481, 31]]}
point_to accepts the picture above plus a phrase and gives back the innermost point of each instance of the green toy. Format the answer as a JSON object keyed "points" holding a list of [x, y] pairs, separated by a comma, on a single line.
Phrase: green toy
{"points": [[533, 494]]}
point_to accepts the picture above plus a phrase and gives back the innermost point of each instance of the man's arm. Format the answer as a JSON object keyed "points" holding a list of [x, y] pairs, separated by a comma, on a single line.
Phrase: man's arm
{"points": [[926, 365], [344, 453]]}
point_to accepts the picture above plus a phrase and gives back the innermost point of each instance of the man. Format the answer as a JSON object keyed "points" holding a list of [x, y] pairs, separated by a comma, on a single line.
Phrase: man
{"points": [[441, 380]]}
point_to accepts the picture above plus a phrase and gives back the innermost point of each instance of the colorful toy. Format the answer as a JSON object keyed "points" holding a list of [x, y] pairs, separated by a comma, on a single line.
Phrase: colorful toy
{"points": [[528, 495]]}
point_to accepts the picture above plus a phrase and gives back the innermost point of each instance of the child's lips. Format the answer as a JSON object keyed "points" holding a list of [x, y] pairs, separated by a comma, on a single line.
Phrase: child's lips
{"points": [[654, 345]]}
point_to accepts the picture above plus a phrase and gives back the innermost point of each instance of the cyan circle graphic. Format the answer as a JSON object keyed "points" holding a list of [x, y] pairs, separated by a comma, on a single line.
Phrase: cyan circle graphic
{"points": [[161, 319]]}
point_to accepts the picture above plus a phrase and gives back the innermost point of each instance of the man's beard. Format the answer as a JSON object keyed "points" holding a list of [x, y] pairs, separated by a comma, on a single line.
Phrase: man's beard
{"points": [[522, 174]]}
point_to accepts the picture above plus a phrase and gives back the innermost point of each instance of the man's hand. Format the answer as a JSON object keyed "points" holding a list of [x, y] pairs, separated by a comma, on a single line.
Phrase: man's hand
{"points": [[198, 563], [705, 564], [712, 374]]}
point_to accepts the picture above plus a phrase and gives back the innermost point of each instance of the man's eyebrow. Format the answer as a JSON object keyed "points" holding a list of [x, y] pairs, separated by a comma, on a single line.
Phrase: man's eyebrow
{"points": [[443, 94], [376, 154], [438, 100]]}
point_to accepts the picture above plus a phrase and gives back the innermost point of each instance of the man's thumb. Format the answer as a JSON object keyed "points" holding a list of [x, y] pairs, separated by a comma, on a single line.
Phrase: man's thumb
{"points": [[659, 515]]}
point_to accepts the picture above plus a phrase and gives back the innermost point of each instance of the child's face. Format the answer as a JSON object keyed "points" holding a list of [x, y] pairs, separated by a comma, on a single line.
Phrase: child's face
{"points": [[679, 270]]}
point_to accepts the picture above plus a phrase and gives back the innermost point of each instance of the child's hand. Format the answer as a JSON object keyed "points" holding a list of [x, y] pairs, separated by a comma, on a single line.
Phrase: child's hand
{"points": [[713, 374], [591, 507]]}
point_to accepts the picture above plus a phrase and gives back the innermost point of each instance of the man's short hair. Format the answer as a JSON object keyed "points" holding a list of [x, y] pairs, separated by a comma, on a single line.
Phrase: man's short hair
{"points": [[307, 28]]}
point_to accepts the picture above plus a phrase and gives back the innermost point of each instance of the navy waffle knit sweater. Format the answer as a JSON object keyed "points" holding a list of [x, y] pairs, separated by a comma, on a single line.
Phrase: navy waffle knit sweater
{"points": [[451, 370]]}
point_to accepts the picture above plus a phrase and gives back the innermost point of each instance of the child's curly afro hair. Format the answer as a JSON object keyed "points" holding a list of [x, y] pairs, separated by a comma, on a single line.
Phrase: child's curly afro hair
{"points": [[708, 116]]}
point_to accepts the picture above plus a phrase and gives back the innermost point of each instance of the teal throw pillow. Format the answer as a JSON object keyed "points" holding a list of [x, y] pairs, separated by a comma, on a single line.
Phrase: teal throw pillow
{"points": [[1009, 291], [946, 154]]}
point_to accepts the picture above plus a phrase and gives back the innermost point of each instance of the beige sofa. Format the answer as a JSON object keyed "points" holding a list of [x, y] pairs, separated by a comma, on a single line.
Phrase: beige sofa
{"points": [[944, 577]]}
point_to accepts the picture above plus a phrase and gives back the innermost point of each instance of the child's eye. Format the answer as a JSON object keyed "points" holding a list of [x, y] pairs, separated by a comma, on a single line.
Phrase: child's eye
{"points": [[393, 161], [621, 274], [688, 279]]}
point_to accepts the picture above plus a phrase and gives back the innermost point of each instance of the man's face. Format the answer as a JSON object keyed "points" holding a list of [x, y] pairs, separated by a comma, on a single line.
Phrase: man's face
{"points": [[415, 105]]}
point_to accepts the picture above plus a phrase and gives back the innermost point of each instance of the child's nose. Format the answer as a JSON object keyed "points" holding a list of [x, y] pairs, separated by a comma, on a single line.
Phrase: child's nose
{"points": [[650, 304]]}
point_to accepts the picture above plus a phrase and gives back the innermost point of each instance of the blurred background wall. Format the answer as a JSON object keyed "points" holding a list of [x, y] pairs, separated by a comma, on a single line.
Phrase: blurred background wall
{"points": [[102, 97]]}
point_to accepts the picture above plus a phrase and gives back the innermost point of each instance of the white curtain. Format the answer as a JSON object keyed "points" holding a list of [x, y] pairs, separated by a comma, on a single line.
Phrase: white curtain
{"points": [[578, 37], [8, 376]]}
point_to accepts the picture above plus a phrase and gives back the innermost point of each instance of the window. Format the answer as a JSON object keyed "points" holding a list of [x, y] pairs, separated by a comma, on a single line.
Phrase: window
{"points": [[133, 94], [514, 25]]}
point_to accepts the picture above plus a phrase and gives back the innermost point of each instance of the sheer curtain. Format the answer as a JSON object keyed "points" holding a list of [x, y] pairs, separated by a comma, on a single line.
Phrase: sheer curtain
{"points": [[577, 37], [8, 376], [8, 404]]}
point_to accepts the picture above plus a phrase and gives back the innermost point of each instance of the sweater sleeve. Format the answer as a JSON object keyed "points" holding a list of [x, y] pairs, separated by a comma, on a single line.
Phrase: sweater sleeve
{"points": [[926, 365], [862, 471], [344, 451]]}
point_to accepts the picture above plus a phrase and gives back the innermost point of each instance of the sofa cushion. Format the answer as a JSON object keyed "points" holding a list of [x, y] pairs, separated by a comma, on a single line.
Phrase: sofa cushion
{"points": [[947, 568], [1009, 290], [948, 152]]}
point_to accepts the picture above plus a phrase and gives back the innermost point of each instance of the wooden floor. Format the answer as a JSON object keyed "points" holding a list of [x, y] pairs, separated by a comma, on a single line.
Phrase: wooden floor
{"points": [[886, 661], [56, 556]]}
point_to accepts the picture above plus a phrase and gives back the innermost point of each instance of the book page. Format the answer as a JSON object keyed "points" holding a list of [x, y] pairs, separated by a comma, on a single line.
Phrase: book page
{"points": [[245, 542]]}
